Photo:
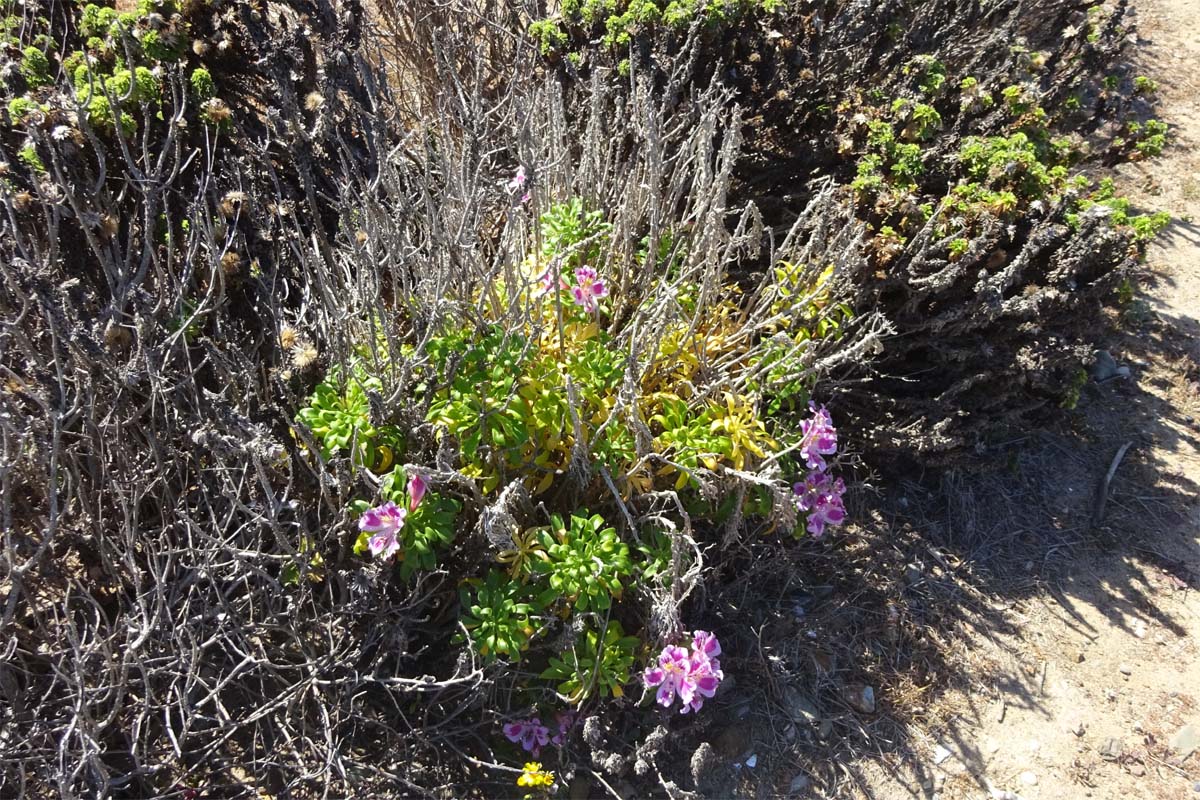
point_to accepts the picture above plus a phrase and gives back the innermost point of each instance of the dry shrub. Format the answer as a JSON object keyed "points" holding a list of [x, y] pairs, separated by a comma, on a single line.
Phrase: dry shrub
{"points": [[155, 489]]}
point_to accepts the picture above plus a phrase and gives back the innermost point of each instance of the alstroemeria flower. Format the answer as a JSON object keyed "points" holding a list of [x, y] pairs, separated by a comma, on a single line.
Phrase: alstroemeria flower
{"points": [[416, 491], [819, 495], [818, 438], [705, 677], [829, 510], [384, 522], [706, 644], [690, 676], [670, 675], [531, 734], [517, 183], [518, 180], [546, 283], [563, 720], [588, 289]]}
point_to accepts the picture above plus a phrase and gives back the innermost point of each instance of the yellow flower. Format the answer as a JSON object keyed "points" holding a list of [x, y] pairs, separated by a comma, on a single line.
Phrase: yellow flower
{"points": [[533, 776]]}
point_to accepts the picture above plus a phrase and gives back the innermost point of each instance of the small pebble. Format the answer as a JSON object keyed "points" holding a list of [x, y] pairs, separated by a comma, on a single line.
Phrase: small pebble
{"points": [[1126, 670], [1028, 778]]}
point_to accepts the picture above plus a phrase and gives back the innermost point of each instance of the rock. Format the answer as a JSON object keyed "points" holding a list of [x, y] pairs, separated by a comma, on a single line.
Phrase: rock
{"points": [[799, 785], [1125, 669], [1185, 741], [1111, 749], [861, 698], [1105, 368], [734, 742], [940, 754], [825, 730], [1137, 770], [1079, 730], [799, 707], [1080, 657], [1028, 778], [581, 788]]}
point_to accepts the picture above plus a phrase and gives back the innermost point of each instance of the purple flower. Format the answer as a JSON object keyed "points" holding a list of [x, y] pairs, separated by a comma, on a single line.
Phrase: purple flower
{"points": [[706, 644], [416, 491], [546, 283], [829, 510], [385, 522], [818, 438], [690, 676], [589, 288], [820, 496], [564, 721], [517, 183], [518, 180], [670, 676], [531, 734], [705, 677]]}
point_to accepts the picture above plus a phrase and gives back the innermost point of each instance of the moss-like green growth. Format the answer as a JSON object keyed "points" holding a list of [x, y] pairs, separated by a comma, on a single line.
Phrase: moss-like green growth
{"points": [[621, 20], [20, 108], [202, 83], [28, 155], [548, 34], [35, 67]]}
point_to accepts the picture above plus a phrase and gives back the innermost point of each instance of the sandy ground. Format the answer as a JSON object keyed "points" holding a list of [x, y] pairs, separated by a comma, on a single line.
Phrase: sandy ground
{"points": [[1088, 686]]}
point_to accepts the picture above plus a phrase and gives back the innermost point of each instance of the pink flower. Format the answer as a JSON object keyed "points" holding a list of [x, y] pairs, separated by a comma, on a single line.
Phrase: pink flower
{"points": [[546, 283], [829, 511], [564, 721], [706, 644], [589, 288], [416, 491], [531, 734], [818, 438], [518, 180], [385, 522], [671, 676], [820, 496], [705, 677], [517, 183], [690, 676]]}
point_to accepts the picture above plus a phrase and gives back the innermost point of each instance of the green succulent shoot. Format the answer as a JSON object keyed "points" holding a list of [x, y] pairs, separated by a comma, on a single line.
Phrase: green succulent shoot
{"points": [[584, 561], [496, 614], [596, 662], [338, 415]]}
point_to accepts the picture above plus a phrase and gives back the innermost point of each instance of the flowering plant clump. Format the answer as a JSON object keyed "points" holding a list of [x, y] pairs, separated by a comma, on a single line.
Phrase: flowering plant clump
{"points": [[819, 495], [410, 525], [692, 676], [531, 734]]}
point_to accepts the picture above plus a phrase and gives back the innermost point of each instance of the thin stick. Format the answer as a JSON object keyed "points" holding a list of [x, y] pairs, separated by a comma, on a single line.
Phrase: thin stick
{"points": [[1102, 493]]}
